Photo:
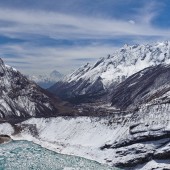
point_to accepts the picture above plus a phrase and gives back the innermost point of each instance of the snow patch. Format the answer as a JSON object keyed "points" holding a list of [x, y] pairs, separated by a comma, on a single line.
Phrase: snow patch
{"points": [[6, 129]]}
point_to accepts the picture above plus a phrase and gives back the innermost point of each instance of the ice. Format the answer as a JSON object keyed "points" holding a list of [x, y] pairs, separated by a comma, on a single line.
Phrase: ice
{"points": [[19, 155]]}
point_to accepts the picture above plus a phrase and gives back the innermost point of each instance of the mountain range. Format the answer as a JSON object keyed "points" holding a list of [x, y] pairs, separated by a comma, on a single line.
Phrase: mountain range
{"points": [[120, 111], [93, 80]]}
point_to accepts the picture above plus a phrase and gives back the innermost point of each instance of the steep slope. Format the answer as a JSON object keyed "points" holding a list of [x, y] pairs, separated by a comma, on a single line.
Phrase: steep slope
{"points": [[151, 85], [20, 97], [46, 80], [93, 80]]}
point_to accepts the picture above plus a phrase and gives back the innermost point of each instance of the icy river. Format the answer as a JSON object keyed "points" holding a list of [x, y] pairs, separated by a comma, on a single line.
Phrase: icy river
{"points": [[24, 155]]}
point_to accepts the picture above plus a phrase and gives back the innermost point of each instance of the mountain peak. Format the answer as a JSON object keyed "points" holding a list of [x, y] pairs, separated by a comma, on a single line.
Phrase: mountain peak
{"points": [[1, 61], [46, 80], [56, 74]]}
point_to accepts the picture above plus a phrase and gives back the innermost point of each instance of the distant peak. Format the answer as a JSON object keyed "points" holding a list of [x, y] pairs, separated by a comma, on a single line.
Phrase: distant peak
{"points": [[55, 73], [126, 45]]}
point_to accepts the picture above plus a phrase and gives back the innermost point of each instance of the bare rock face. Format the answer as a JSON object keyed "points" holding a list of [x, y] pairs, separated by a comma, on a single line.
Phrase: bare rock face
{"points": [[21, 98]]}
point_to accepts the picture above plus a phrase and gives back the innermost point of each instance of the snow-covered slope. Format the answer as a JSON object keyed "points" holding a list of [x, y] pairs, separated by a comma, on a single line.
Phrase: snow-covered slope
{"points": [[151, 85], [46, 80], [20, 97], [93, 79], [121, 140]]}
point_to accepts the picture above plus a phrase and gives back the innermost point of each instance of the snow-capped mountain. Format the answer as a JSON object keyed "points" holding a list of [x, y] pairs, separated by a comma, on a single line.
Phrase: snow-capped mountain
{"points": [[21, 97], [46, 80], [95, 79]]}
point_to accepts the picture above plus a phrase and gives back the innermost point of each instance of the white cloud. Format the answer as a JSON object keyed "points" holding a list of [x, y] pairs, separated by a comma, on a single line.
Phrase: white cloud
{"points": [[131, 21], [59, 25], [148, 12], [44, 59]]}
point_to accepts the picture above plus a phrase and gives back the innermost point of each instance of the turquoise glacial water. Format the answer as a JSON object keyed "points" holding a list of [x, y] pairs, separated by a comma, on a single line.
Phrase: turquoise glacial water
{"points": [[24, 155]]}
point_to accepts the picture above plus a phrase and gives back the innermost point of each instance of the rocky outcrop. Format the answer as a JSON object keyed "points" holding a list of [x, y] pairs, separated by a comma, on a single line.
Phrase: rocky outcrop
{"points": [[4, 139], [22, 98]]}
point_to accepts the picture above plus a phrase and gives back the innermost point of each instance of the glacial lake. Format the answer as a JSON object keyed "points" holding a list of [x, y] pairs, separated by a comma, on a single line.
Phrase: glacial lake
{"points": [[25, 155]]}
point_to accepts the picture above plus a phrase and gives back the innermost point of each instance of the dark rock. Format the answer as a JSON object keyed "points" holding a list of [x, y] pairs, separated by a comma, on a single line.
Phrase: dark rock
{"points": [[4, 138]]}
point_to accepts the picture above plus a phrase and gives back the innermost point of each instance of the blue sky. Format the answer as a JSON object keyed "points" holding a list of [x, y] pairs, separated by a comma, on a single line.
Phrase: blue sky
{"points": [[38, 36]]}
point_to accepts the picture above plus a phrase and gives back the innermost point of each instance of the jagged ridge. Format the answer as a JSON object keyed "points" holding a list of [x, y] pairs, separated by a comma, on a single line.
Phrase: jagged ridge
{"points": [[94, 80]]}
